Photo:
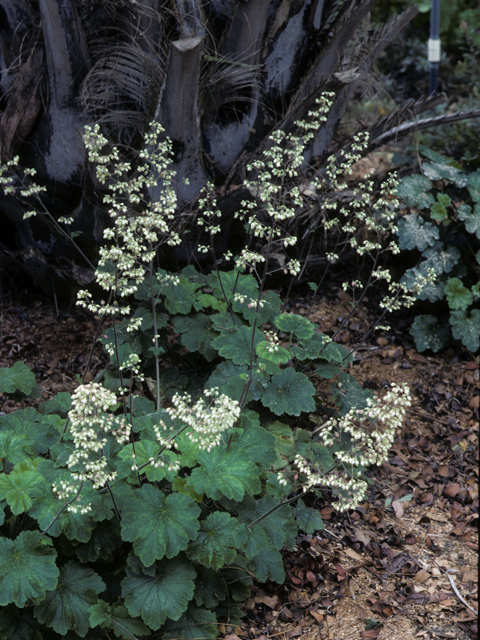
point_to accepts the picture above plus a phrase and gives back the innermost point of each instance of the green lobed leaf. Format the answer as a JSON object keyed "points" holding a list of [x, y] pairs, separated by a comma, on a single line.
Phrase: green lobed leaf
{"points": [[278, 356], [432, 291], [116, 617], [196, 334], [326, 369], [236, 344], [226, 473], [414, 191], [18, 487], [233, 282], [442, 260], [163, 594], [473, 185], [268, 565], [279, 525], [195, 624], [145, 450], [415, 233], [59, 404], [297, 325], [27, 568], [42, 431], [458, 296], [252, 541], [18, 379], [232, 378], [104, 542], [439, 210], [159, 526], [308, 519], [442, 171], [215, 546], [270, 306], [349, 394], [67, 606], [19, 624], [13, 447], [465, 328], [471, 219], [289, 392], [429, 334], [210, 588]]}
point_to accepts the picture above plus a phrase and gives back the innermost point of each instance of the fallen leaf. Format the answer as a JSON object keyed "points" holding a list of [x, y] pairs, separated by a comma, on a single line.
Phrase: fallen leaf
{"points": [[267, 600], [451, 489], [372, 633], [444, 470], [413, 355], [318, 616], [398, 507], [470, 575], [353, 554], [422, 576], [474, 402]]}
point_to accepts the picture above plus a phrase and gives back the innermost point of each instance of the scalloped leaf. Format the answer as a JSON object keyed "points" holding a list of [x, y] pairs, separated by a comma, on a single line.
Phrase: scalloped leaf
{"points": [[235, 345], [429, 334], [42, 431], [439, 210], [18, 624], [19, 379], [465, 328], [215, 543], [196, 334], [159, 526], [415, 233], [442, 171], [279, 356], [432, 291], [233, 282], [116, 617], [442, 260], [231, 379], [296, 325], [279, 524], [349, 394], [270, 305], [27, 568], [268, 565], [19, 487], [471, 219], [223, 472], [308, 519], [164, 593], [458, 296], [289, 392], [67, 606], [195, 624], [414, 190], [473, 185], [210, 588]]}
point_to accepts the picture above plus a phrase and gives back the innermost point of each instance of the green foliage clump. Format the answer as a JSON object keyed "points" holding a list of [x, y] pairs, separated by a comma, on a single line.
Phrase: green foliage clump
{"points": [[182, 472], [444, 227]]}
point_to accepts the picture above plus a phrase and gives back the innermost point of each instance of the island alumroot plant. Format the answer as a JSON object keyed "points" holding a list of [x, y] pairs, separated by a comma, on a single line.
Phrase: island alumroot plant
{"points": [[147, 502], [442, 224]]}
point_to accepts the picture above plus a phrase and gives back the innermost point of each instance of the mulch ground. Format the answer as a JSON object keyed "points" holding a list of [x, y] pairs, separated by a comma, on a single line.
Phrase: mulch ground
{"points": [[403, 564]]}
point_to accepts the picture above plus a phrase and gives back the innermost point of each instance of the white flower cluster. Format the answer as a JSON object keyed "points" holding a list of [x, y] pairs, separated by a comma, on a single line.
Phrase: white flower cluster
{"points": [[90, 422], [207, 419], [372, 431], [140, 226], [272, 341]]}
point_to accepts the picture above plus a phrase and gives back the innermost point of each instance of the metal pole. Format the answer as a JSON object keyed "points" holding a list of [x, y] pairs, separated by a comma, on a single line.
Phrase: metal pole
{"points": [[434, 53]]}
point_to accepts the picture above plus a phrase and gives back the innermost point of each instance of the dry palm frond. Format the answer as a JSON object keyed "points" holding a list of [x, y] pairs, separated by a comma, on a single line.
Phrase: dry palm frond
{"points": [[121, 91]]}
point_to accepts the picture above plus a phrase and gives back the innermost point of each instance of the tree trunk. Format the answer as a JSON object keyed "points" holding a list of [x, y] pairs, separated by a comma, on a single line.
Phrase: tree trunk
{"points": [[219, 75]]}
